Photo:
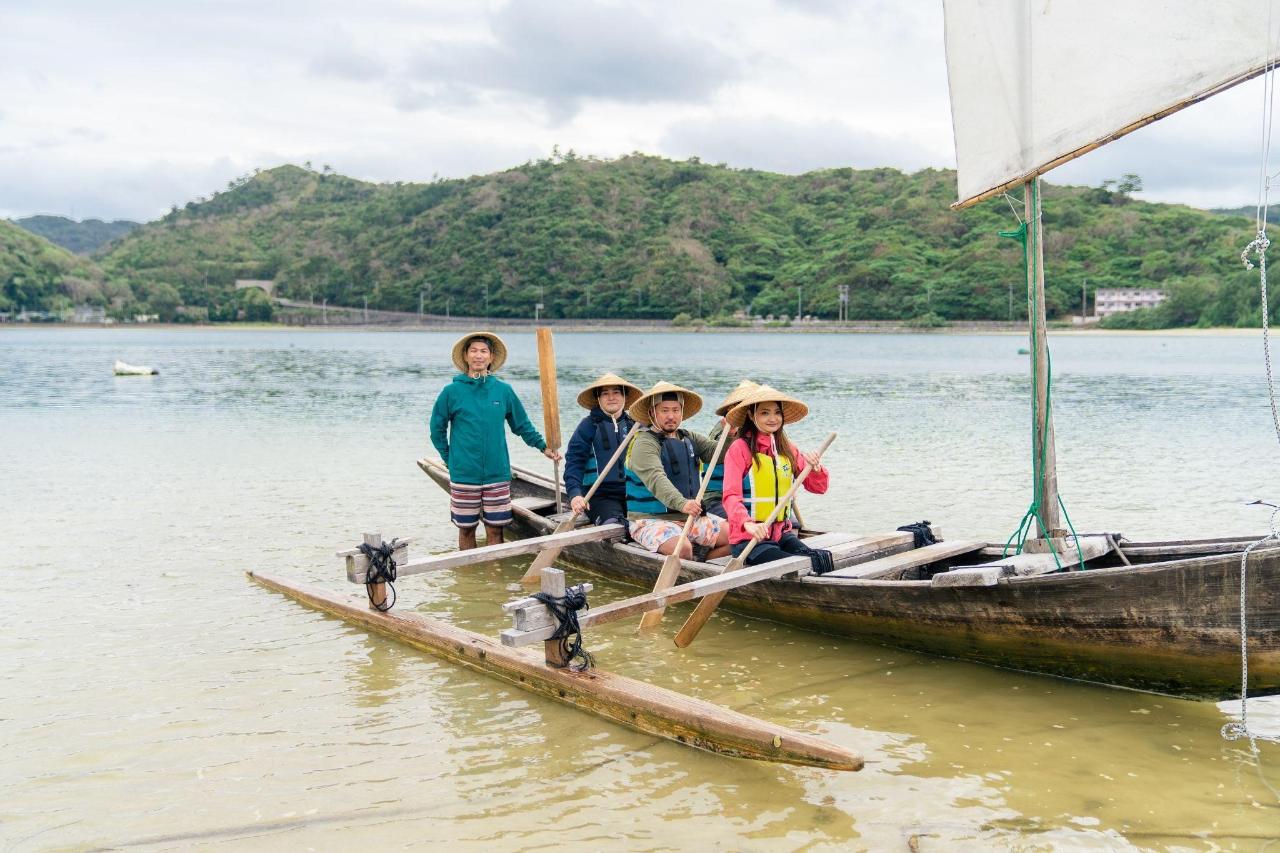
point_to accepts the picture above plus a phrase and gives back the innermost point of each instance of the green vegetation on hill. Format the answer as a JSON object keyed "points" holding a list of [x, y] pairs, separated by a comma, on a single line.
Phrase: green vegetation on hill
{"points": [[647, 237], [83, 238], [39, 276]]}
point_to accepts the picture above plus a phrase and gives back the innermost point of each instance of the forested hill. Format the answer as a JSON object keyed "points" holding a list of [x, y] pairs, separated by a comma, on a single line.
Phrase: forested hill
{"points": [[79, 237], [38, 276], [647, 237]]}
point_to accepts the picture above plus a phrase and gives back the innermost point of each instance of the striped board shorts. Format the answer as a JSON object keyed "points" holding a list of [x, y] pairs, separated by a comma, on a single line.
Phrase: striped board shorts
{"points": [[469, 505]]}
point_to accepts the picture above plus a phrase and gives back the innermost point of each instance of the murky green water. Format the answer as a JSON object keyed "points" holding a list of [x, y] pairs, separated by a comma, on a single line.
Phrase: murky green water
{"points": [[155, 697]]}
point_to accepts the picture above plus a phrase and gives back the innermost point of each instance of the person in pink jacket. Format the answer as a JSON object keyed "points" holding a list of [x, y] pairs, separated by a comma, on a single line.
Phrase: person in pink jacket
{"points": [[759, 469]]}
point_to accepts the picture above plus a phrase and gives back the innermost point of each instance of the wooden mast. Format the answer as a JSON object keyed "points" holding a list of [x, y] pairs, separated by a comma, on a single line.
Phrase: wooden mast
{"points": [[1044, 465]]}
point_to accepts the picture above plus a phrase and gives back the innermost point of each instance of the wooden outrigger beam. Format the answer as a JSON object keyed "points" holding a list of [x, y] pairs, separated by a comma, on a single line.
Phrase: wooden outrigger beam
{"points": [[634, 704], [536, 614], [358, 563]]}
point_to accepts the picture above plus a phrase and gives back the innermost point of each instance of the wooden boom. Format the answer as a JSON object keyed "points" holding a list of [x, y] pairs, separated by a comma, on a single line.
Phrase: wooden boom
{"points": [[634, 704], [358, 564]]}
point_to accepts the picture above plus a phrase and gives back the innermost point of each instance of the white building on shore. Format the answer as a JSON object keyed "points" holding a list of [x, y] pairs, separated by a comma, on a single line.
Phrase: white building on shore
{"points": [[1115, 300]]}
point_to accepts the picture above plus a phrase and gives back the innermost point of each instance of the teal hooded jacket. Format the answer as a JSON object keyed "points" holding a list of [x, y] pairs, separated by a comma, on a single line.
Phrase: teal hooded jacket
{"points": [[467, 428]]}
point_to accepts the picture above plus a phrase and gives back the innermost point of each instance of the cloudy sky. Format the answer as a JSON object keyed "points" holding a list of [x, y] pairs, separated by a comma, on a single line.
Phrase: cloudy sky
{"points": [[122, 108]]}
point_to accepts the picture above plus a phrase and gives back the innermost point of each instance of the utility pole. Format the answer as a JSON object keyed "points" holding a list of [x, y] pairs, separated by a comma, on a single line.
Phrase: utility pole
{"points": [[699, 299], [324, 311], [1084, 300], [366, 309], [420, 295], [799, 300]]}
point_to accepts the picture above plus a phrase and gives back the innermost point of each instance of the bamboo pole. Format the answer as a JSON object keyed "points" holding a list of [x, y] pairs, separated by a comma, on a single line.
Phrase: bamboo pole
{"points": [[1044, 463], [550, 403], [671, 566]]}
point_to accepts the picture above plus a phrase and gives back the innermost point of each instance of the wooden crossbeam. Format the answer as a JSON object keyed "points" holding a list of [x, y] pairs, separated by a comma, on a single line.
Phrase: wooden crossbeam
{"points": [[533, 611], [358, 564], [886, 566], [653, 600], [1025, 564]]}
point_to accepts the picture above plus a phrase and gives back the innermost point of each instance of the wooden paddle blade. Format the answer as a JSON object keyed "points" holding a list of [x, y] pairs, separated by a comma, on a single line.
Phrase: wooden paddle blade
{"points": [[689, 630], [548, 556], [699, 617], [666, 579]]}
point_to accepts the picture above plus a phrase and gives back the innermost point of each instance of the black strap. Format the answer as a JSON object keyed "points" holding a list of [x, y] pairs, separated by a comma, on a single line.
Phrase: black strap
{"points": [[922, 533], [568, 632], [382, 569]]}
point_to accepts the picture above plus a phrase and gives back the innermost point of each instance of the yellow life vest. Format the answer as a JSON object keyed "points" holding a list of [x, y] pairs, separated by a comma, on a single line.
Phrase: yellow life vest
{"points": [[766, 483]]}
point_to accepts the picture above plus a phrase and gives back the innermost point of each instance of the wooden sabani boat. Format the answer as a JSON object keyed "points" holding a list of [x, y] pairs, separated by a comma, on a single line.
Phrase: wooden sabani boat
{"points": [[1169, 623]]}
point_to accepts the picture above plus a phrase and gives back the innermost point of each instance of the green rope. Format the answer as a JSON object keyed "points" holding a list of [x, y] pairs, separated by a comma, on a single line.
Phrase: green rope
{"points": [[1038, 460]]}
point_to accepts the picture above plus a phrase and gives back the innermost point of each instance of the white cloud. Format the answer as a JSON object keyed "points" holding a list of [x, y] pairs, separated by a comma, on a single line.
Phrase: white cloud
{"points": [[121, 109]]}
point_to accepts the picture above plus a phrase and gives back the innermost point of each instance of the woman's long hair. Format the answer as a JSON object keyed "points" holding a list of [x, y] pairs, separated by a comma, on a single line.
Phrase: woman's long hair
{"points": [[749, 432]]}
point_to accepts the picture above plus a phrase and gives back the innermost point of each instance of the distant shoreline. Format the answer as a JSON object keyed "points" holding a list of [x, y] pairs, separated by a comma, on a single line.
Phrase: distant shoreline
{"points": [[869, 328]]}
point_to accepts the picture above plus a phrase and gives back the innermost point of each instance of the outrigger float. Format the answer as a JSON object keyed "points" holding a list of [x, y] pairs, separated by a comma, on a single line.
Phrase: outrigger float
{"points": [[631, 703]]}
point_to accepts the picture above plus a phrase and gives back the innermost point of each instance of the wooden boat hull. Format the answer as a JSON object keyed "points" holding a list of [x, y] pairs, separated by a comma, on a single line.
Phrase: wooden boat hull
{"points": [[635, 704], [1170, 626]]}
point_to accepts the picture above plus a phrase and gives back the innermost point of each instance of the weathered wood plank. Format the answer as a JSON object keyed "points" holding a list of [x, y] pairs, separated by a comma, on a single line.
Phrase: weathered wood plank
{"points": [[1026, 564], [638, 604], [487, 553], [894, 563], [534, 504], [634, 704]]}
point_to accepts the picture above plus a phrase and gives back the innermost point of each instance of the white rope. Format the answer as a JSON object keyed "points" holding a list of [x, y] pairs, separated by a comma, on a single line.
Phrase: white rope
{"points": [[1236, 731], [1259, 245]]}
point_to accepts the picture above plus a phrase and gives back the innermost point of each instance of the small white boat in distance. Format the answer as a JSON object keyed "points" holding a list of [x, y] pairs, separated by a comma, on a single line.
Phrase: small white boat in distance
{"points": [[123, 369]]}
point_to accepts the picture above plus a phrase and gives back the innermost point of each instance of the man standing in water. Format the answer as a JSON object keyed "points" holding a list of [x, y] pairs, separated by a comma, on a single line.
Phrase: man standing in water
{"points": [[467, 431]]}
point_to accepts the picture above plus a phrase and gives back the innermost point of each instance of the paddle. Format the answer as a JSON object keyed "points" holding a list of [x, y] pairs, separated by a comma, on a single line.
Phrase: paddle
{"points": [[550, 403], [548, 556], [708, 604], [671, 566]]}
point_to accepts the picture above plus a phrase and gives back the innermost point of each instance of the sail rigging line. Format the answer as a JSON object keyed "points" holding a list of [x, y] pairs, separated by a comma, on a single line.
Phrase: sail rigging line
{"points": [[1235, 731], [1035, 511]]}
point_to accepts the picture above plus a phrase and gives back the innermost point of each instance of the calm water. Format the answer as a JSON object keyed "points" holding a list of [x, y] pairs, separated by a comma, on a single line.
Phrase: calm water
{"points": [[155, 697]]}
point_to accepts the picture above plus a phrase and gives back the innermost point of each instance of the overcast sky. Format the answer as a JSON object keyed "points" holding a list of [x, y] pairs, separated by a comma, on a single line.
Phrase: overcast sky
{"points": [[120, 108]]}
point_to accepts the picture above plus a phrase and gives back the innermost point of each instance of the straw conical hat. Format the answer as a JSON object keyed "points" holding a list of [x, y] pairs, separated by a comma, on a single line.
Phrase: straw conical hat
{"points": [[792, 409], [736, 396], [640, 408], [587, 399], [496, 346]]}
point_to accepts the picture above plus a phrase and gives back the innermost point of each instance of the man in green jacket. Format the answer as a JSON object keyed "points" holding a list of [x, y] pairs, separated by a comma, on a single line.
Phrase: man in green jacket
{"points": [[467, 429]]}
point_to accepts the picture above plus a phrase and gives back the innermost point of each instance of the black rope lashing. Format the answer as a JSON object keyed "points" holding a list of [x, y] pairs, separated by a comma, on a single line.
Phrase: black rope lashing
{"points": [[820, 559], [568, 632], [921, 532], [382, 569]]}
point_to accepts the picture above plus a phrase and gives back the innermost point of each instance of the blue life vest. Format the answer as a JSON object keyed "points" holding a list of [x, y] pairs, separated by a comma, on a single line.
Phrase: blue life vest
{"points": [[603, 445], [679, 463]]}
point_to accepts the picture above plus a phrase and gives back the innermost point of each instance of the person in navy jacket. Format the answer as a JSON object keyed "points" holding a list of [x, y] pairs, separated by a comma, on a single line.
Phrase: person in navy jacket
{"points": [[592, 446]]}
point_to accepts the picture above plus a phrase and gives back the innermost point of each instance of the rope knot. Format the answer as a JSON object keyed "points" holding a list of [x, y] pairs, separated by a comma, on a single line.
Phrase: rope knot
{"points": [[382, 569], [568, 632], [1258, 246]]}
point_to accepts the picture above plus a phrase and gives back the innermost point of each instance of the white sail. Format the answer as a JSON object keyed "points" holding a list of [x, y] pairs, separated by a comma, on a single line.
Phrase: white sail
{"points": [[1035, 83]]}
